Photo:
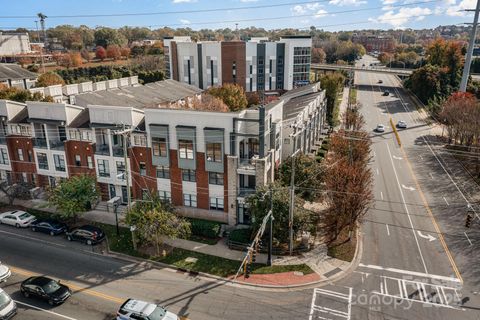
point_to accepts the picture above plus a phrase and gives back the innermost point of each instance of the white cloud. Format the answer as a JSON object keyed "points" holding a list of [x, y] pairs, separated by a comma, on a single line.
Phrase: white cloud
{"points": [[184, 21], [387, 2], [404, 15], [321, 13], [310, 8], [183, 1], [457, 10], [387, 8], [248, 0], [342, 3]]}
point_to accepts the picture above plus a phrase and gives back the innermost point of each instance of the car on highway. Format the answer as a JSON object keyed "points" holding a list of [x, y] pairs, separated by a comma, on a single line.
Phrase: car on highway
{"points": [[380, 128], [8, 307], [5, 273], [386, 93], [46, 289], [50, 226], [17, 218], [401, 124], [137, 309], [380, 81], [88, 234]]}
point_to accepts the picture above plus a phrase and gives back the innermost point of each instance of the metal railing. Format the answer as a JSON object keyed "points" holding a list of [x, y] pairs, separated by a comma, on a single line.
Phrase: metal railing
{"points": [[57, 145], [102, 149], [117, 151], [40, 143]]}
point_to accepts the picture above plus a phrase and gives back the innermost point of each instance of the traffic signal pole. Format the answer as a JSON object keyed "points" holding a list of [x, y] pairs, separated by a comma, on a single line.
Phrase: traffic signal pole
{"points": [[471, 44]]}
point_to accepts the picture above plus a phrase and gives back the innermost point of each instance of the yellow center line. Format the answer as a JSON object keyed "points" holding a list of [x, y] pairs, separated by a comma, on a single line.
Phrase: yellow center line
{"points": [[74, 287]]}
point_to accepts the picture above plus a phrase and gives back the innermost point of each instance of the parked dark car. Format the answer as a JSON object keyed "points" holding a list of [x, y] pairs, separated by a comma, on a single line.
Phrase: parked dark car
{"points": [[88, 234], [45, 288], [50, 226], [386, 93]]}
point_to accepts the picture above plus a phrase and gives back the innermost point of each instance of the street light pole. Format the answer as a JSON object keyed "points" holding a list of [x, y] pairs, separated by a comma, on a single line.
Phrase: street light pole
{"points": [[115, 209], [270, 231], [292, 192], [471, 44]]}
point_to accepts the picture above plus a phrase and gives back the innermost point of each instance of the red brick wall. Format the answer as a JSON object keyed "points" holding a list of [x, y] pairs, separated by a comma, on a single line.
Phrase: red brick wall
{"points": [[234, 51], [175, 179], [104, 191], [137, 155], [26, 144], [82, 148], [203, 201], [173, 54]]}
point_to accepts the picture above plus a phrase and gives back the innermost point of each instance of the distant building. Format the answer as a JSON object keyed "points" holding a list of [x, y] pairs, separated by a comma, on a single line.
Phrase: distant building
{"points": [[13, 75], [375, 43], [12, 44], [256, 65]]}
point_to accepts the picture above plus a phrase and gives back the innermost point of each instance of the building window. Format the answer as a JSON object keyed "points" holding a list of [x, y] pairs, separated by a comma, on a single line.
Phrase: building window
{"points": [[271, 66], [30, 155], [78, 160], [215, 178], [74, 135], [188, 175], [103, 168], [120, 169], [189, 200], [159, 146], [186, 149], [165, 196], [145, 194], [214, 152], [4, 156], [163, 172], [86, 135], [251, 69], [211, 72], [20, 154], [143, 168], [59, 161], [90, 162], [42, 161], [216, 204], [140, 140]]}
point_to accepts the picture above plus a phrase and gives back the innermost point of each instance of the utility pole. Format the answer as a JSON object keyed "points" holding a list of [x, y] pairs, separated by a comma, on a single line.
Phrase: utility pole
{"points": [[45, 44], [292, 191], [471, 44], [270, 231]]}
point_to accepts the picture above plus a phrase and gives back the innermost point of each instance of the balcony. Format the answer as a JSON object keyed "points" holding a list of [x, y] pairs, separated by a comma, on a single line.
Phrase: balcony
{"points": [[40, 143], [56, 145], [117, 151], [244, 192], [102, 149], [3, 140], [247, 164]]}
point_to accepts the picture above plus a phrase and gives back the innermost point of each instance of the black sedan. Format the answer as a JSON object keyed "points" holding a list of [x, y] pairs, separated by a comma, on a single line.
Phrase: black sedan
{"points": [[50, 226], [88, 234], [45, 288]]}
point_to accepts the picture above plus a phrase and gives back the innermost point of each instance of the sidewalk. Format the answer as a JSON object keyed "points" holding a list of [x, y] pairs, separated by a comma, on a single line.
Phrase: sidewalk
{"points": [[343, 106]]}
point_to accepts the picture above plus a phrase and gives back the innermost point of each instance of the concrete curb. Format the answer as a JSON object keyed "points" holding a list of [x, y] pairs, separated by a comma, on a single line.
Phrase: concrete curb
{"points": [[251, 286]]}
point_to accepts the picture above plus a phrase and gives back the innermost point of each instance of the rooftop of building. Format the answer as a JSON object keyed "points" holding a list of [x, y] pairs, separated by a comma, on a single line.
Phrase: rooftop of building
{"points": [[151, 95], [10, 71], [297, 104]]}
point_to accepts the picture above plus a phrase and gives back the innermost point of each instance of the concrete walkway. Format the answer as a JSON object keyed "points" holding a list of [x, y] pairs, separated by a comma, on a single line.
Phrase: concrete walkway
{"points": [[343, 106]]}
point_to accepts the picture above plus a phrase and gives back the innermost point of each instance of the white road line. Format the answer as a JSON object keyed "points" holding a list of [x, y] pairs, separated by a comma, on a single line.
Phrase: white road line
{"points": [[406, 210], [468, 238], [431, 175], [421, 157], [44, 310], [381, 195], [408, 272], [378, 172], [312, 305], [446, 201], [388, 231]]}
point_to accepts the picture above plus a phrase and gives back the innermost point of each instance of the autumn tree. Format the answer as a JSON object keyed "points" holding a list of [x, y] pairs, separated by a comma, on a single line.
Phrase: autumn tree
{"points": [[107, 36], [232, 95], [208, 103], [85, 55], [21, 95], [318, 55], [113, 52], [19, 190], [332, 84], [76, 59], [125, 52], [49, 79], [100, 53]]}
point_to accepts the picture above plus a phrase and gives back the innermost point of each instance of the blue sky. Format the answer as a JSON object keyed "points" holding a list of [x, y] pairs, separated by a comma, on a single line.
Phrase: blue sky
{"points": [[325, 14]]}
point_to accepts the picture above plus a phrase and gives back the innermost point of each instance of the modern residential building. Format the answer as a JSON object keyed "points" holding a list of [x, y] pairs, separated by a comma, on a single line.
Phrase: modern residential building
{"points": [[256, 65], [206, 163], [12, 44], [13, 75]]}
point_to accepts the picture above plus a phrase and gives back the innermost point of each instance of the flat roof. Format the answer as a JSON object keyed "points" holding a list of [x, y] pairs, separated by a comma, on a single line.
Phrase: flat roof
{"points": [[295, 105], [144, 96], [15, 72]]}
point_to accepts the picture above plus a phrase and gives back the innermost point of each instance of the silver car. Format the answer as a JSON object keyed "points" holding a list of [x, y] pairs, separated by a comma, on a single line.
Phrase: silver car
{"points": [[5, 273], [380, 128], [401, 124], [17, 218], [8, 308]]}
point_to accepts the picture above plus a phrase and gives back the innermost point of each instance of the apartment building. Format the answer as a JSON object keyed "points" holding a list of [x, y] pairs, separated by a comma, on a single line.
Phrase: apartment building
{"points": [[206, 163], [12, 44], [374, 43], [256, 65]]}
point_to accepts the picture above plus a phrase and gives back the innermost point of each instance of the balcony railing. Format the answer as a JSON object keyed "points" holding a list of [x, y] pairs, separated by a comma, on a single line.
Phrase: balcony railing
{"points": [[57, 145], [3, 140], [117, 151], [40, 143], [102, 149], [247, 163], [246, 191]]}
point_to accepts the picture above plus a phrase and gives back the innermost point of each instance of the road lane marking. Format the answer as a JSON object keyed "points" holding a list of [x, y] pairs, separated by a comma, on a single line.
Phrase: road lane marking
{"points": [[388, 231], [44, 310], [429, 211], [319, 311], [431, 175], [468, 238], [429, 237], [33, 238], [381, 195], [408, 188], [397, 158], [406, 209], [446, 201], [408, 272], [74, 287], [421, 158], [378, 172]]}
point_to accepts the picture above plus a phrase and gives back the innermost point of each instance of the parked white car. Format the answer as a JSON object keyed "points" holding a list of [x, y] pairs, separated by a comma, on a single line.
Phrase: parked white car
{"points": [[17, 218], [380, 128], [136, 309], [402, 124], [8, 308], [5, 273]]}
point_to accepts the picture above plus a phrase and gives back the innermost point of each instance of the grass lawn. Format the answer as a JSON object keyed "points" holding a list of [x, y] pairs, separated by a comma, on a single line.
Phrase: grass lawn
{"points": [[204, 240], [278, 269]]}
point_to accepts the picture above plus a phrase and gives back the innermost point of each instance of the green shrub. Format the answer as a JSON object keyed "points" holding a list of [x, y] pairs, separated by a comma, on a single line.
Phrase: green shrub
{"points": [[204, 228], [240, 235]]}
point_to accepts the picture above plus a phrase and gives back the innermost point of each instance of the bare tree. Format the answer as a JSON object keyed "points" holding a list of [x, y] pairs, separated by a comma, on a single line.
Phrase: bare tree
{"points": [[16, 191]]}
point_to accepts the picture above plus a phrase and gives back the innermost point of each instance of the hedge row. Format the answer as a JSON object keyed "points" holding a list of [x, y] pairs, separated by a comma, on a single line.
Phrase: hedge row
{"points": [[205, 228]]}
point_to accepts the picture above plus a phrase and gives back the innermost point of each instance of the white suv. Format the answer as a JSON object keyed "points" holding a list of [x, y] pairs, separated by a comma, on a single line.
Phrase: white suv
{"points": [[8, 308], [141, 310], [5, 273]]}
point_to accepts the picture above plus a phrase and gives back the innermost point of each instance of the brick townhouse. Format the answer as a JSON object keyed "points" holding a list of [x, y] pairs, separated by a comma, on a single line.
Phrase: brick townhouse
{"points": [[206, 163]]}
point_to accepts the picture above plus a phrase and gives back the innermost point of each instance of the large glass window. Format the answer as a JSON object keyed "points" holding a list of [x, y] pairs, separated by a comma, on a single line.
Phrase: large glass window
{"points": [[216, 204], [120, 169], [103, 168], [42, 161], [163, 172], [185, 148], [215, 178], [78, 160], [189, 175], [189, 200], [143, 168], [20, 154], [159, 146], [214, 152], [59, 161], [165, 196], [3, 156]]}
